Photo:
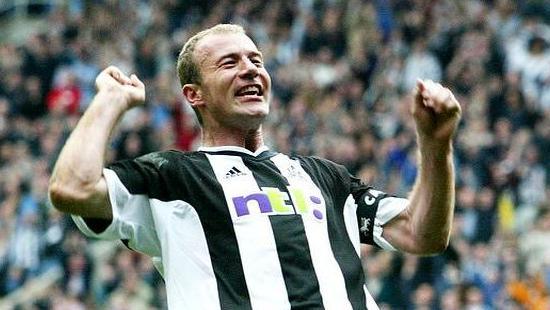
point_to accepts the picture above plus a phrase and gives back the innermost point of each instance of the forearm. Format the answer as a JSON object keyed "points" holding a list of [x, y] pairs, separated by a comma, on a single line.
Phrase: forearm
{"points": [[432, 198], [425, 226], [80, 163]]}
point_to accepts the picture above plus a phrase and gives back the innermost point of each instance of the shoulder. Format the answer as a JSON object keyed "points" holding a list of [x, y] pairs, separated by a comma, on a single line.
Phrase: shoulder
{"points": [[324, 168], [157, 173], [168, 159], [315, 162], [153, 164]]}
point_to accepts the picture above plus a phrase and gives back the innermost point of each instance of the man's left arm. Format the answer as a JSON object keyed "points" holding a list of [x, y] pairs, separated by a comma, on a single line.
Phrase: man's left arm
{"points": [[424, 226]]}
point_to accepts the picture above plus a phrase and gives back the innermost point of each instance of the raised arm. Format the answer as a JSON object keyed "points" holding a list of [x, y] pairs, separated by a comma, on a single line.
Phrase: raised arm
{"points": [[77, 185], [424, 227]]}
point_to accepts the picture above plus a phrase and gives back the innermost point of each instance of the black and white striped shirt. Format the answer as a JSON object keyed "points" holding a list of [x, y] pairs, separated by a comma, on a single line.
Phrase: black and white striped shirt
{"points": [[232, 229]]}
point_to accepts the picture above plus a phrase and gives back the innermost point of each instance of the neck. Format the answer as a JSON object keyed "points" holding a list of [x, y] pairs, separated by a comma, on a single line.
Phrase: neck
{"points": [[248, 139]]}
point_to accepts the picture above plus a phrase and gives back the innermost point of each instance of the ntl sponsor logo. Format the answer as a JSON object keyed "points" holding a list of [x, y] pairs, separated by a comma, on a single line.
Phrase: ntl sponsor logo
{"points": [[273, 201]]}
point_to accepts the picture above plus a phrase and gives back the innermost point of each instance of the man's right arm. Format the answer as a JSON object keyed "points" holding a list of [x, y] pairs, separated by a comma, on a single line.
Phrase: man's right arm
{"points": [[77, 185]]}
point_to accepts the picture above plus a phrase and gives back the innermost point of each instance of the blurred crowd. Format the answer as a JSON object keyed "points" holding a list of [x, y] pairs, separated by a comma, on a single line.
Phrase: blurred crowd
{"points": [[342, 74]]}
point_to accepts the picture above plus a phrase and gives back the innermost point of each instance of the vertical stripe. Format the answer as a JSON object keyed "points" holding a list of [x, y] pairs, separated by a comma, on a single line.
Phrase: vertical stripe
{"points": [[342, 246], [290, 236], [248, 207], [221, 238], [352, 227], [185, 252], [331, 280]]}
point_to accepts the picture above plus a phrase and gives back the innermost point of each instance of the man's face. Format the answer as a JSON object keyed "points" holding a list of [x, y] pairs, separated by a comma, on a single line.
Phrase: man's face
{"points": [[235, 85]]}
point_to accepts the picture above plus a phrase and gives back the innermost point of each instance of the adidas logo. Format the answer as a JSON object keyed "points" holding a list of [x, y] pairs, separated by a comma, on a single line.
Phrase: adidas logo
{"points": [[234, 172]]}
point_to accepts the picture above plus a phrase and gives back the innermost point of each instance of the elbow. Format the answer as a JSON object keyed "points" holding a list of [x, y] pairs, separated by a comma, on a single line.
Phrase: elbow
{"points": [[437, 249], [433, 247], [60, 197], [64, 198]]}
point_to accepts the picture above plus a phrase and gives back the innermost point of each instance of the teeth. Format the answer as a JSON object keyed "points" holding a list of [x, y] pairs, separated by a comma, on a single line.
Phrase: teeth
{"points": [[251, 88]]}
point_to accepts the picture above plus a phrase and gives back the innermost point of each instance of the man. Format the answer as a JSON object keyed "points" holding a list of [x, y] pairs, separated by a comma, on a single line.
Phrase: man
{"points": [[235, 225]]}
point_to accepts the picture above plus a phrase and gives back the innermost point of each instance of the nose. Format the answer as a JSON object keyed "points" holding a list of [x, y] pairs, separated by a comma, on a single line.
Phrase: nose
{"points": [[248, 69]]}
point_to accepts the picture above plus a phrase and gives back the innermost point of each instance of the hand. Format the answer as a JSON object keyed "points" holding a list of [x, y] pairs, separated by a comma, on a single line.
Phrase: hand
{"points": [[436, 112], [113, 80]]}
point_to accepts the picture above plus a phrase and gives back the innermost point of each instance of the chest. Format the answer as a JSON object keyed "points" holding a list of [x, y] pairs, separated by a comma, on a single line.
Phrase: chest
{"points": [[246, 190]]}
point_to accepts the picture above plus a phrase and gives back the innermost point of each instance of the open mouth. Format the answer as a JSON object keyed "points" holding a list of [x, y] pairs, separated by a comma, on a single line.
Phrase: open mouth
{"points": [[254, 90]]}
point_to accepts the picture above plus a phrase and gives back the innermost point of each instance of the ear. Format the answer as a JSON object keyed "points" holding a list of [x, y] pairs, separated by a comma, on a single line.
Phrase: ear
{"points": [[193, 94]]}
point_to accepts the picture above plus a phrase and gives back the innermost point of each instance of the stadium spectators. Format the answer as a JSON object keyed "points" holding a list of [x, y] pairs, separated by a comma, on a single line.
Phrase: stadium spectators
{"points": [[339, 70]]}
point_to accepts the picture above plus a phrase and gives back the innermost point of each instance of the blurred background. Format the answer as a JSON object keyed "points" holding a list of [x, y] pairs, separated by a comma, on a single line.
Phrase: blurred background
{"points": [[342, 74]]}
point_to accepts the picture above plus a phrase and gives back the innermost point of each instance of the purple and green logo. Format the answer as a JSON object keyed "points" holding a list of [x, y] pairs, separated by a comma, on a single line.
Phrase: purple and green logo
{"points": [[273, 201]]}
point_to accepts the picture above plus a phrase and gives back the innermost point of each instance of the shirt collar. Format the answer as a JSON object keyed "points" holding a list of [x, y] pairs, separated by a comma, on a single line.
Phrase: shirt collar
{"points": [[231, 148]]}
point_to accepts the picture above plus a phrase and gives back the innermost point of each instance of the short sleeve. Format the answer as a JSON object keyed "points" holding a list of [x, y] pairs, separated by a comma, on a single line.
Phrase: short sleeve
{"points": [[132, 218], [374, 209]]}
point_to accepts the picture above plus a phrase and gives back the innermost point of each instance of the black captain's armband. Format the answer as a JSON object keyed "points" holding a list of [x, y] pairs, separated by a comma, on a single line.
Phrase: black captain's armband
{"points": [[367, 204]]}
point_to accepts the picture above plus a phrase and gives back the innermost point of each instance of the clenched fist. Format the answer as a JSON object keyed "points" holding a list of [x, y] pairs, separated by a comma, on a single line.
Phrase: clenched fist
{"points": [[436, 112], [130, 88]]}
